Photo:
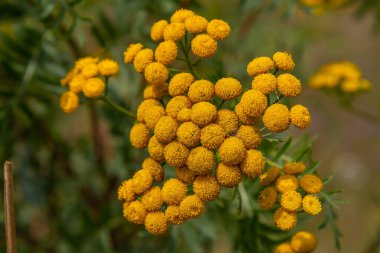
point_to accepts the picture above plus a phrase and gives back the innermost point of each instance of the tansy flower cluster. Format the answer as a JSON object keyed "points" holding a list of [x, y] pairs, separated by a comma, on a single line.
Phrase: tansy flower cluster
{"points": [[301, 242], [87, 77], [290, 192], [342, 77]]}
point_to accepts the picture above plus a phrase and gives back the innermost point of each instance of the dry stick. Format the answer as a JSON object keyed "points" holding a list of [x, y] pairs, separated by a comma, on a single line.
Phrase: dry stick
{"points": [[10, 228]]}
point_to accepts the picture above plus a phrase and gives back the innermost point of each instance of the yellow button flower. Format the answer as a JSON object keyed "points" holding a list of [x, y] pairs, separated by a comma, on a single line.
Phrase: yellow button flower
{"points": [[203, 46], [143, 106], [277, 118], [174, 215], [268, 198], [285, 220], [142, 59], [228, 120], [253, 103], [155, 91], [166, 129], [69, 76], [228, 176], [196, 24], [206, 187], [284, 248], [152, 199], [203, 114], [180, 84], [90, 70], [218, 29], [192, 207], [291, 201], [291, 168], [174, 191], [250, 136], [311, 183], [156, 73], [266, 83], [135, 212], [157, 30], [283, 61], [80, 63], [184, 115], [232, 151], [131, 52], [154, 168], [174, 32], [189, 134], [77, 82], [260, 65], [286, 183], [253, 164], [156, 223], [311, 205], [181, 15], [69, 102], [176, 154], [201, 90], [288, 85], [93, 87], [303, 242], [270, 176], [142, 180], [212, 136], [139, 136], [152, 116], [200, 161], [125, 191], [108, 67], [228, 88], [243, 117], [176, 104], [300, 116], [166, 52], [185, 175], [156, 149]]}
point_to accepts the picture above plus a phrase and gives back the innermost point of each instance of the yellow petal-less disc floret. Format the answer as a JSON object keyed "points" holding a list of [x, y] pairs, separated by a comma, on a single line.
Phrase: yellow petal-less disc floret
{"points": [[250, 136], [286, 183], [135, 212], [283, 61], [203, 113], [131, 52], [156, 73], [196, 24], [157, 30], [80, 63], [142, 180], [243, 117], [270, 176], [185, 175], [266, 83], [292, 168], [181, 15], [253, 164], [90, 70], [260, 65], [200, 161], [180, 84], [218, 29], [189, 134], [184, 115], [77, 82], [174, 216], [108, 67], [139, 136], [166, 129], [166, 52], [176, 104], [192, 207], [93, 87], [176, 154], [174, 191], [311, 205], [125, 191], [142, 59], [311, 183], [284, 220], [156, 149], [284, 248], [200, 91], [156, 223], [212, 136], [268, 198], [69, 102], [291, 201], [300, 116], [154, 168], [69, 76], [253, 103], [228, 88], [143, 106], [152, 199], [228, 176], [152, 115], [206, 187], [289, 85], [174, 32], [228, 120], [303, 242], [203, 46], [232, 151], [277, 118]]}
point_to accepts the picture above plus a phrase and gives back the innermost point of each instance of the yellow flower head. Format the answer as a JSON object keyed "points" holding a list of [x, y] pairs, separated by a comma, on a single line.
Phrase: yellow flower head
{"points": [[156, 149], [90, 70], [174, 32], [108, 67], [277, 118], [93, 87], [176, 154], [174, 191], [143, 106], [142, 180], [283, 61], [232, 151], [260, 65], [311, 183], [365, 85], [184, 115], [69, 76], [253, 164], [243, 117], [266, 83], [228, 88], [303, 242], [212, 136], [250, 136], [291, 201], [228, 120], [156, 223], [253, 103], [218, 29], [284, 248], [285, 220], [125, 191], [192, 207], [288, 85], [185, 175], [152, 115], [80, 63], [155, 91], [166, 129], [206, 187], [139, 136], [131, 52], [189, 134], [166, 52], [156, 73], [291, 168], [174, 216], [157, 30], [311, 205], [135, 212], [152, 199], [196, 24], [228, 176], [154, 168], [69, 102], [270, 176], [76, 84], [142, 59], [181, 15], [350, 86], [268, 198], [200, 161], [203, 113], [201, 90], [180, 84], [286, 183], [203, 46], [176, 104]]}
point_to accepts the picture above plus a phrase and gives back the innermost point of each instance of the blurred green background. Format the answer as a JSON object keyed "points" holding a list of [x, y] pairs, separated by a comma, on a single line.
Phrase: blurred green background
{"points": [[67, 167]]}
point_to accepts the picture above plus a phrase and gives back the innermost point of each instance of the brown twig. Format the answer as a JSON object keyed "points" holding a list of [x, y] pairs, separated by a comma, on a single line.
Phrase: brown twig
{"points": [[10, 228]]}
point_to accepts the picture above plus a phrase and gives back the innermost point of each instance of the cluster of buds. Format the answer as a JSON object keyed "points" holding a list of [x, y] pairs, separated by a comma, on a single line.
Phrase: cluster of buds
{"points": [[301, 242]]}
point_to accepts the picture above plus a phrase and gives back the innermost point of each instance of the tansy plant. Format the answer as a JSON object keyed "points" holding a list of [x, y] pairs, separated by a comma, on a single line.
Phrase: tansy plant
{"points": [[205, 137]]}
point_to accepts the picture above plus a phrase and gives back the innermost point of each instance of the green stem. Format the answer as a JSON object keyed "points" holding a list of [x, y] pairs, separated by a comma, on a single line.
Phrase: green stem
{"points": [[191, 68], [272, 163], [221, 104], [117, 107]]}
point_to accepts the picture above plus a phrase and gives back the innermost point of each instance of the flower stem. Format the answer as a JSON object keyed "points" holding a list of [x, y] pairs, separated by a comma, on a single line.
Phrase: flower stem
{"points": [[187, 58], [10, 228], [118, 107]]}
